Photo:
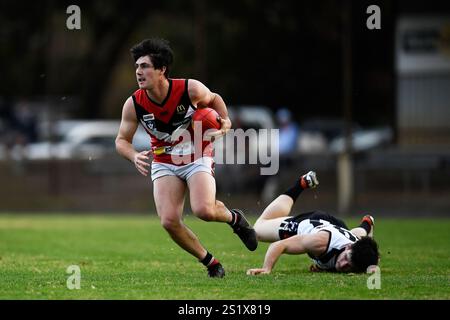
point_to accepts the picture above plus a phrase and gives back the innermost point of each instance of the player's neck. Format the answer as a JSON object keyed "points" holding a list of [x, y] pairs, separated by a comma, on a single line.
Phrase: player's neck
{"points": [[159, 92]]}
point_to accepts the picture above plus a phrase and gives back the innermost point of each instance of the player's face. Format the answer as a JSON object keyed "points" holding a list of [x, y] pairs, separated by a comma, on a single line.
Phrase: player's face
{"points": [[146, 74], [343, 261]]}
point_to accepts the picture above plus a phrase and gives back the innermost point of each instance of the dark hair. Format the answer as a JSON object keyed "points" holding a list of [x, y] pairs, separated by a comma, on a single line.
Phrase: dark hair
{"points": [[158, 50], [364, 254]]}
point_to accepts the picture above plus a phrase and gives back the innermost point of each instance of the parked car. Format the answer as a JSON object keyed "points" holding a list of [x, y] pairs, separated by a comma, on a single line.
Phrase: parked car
{"points": [[363, 140], [328, 135], [251, 116], [82, 139]]}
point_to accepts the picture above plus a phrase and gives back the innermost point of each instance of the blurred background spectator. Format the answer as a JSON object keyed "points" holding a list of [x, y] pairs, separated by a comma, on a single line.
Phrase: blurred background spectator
{"points": [[289, 131], [24, 119]]}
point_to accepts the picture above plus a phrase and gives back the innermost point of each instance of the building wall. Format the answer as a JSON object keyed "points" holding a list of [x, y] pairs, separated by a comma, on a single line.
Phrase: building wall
{"points": [[423, 85]]}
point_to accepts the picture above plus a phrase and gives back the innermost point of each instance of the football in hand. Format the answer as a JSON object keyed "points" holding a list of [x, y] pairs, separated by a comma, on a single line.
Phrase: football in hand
{"points": [[209, 118]]}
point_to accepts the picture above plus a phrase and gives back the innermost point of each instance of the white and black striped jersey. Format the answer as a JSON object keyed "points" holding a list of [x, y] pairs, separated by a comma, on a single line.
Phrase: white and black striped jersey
{"points": [[339, 238]]}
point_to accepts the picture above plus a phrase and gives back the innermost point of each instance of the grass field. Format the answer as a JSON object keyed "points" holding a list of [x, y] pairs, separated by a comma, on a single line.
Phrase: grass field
{"points": [[132, 257]]}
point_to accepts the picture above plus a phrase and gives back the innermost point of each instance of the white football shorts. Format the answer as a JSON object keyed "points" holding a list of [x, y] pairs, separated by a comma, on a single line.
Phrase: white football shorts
{"points": [[184, 172]]}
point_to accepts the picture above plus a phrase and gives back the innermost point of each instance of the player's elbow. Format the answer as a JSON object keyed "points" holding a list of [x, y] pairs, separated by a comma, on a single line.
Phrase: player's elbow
{"points": [[121, 143], [215, 100], [118, 142]]}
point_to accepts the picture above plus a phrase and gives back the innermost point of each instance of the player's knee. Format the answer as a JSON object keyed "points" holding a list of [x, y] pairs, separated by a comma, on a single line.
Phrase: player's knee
{"points": [[170, 224], [205, 212]]}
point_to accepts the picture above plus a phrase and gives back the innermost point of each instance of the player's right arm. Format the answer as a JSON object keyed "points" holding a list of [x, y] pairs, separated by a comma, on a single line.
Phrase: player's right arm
{"points": [[124, 139], [299, 244], [202, 97]]}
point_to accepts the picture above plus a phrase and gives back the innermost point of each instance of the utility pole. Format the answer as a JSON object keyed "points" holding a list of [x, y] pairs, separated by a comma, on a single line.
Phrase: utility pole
{"points": [[345, 175], [200, 39]]}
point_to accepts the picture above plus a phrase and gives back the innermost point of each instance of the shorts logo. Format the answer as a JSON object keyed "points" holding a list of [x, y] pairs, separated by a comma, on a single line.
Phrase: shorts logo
{"points": [[181, 109]]}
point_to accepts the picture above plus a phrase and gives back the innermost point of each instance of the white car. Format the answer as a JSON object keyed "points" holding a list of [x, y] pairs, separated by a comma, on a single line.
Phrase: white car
{"points": [[328, 135], [83, 140], [363, 140]]}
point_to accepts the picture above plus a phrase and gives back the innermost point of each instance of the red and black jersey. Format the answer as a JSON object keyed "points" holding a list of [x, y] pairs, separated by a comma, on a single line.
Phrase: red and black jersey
{"points": [[165, 122]]}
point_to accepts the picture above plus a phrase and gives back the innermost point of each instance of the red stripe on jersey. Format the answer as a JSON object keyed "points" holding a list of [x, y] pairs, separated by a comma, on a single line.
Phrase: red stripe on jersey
{"points": [[164, 111]]}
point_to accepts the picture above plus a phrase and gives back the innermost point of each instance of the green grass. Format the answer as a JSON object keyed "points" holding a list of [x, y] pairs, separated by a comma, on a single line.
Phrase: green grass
{"points": [[132, 257]]}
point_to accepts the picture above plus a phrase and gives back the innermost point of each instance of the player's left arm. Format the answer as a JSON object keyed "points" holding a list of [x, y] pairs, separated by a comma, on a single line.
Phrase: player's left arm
{"points": [[202, 97], [298, 244]]}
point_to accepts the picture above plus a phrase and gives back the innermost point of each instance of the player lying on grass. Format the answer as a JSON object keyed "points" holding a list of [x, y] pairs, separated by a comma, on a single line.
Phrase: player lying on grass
{"points": [[326, 239]]}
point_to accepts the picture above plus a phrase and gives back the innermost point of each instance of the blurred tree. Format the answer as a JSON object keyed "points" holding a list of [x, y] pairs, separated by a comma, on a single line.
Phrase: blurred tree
{"points": [[106, 27], [275, 53], [22, 47], [40, 56]]}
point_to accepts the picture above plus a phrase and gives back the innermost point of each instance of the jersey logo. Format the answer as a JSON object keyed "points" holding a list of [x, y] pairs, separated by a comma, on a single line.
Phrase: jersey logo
{"points": [[149, 116], [149, 120], [181, 109]]}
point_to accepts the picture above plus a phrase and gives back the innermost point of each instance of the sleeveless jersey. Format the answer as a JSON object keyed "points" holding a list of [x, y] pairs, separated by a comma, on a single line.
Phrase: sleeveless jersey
{"points": [[339, 238], [169, 124]]}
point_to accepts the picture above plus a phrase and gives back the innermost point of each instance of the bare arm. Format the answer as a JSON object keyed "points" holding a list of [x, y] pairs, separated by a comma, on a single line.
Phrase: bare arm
{"points": [[202, 97], [124, 139], [299, 244]]}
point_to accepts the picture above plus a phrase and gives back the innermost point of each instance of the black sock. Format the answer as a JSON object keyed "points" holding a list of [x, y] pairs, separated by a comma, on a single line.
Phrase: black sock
{"points": [[366, 226], [209, 260], [294, 191]]}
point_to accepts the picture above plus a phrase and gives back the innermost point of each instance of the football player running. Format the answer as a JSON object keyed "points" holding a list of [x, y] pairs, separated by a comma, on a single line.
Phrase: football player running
{"points": [[326, 239], [164, 107]]}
